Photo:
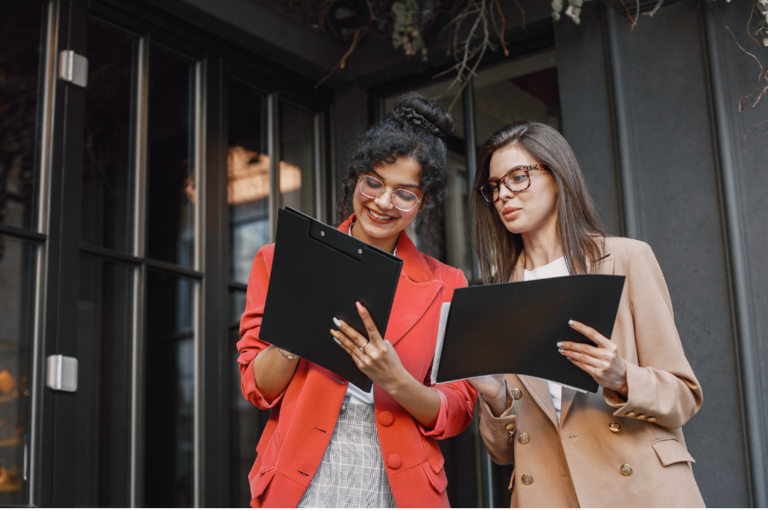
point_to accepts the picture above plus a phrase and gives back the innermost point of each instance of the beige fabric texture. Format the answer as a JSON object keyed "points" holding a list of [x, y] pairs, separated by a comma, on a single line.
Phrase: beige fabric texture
{"points": [[578, 462]]}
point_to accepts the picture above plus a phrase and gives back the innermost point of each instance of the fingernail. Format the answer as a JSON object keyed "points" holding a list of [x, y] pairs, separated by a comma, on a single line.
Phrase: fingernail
{"points": [[337, 341], [571, 322], [337, 322], [359, 305], [561, 350], [568, 358], [560, 344], [335, 333]]}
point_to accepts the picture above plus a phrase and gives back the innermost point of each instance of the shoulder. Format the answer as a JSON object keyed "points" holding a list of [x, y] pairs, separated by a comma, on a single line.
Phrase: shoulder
{"points": [[448, 274], [622, 249]]}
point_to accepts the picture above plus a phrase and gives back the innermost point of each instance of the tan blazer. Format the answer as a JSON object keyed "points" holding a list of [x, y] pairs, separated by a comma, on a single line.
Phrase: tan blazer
{"points": [[605, 451]]}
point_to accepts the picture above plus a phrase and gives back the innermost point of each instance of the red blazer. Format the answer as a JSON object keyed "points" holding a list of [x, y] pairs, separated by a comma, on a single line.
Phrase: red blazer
{"points": [[304, 415]]}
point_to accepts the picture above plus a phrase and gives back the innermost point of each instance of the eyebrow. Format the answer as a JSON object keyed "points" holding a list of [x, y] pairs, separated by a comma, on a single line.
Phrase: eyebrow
{"points": [[401, 184], [506, 172]]}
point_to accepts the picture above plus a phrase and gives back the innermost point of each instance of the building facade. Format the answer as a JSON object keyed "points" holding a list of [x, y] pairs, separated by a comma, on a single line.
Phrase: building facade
{"points": [[136, 189]]}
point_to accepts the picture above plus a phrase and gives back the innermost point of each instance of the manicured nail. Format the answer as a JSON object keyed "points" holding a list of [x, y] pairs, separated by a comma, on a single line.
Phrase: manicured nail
{"points": [[560, 345], [337, 322], [335, 333], [571, 322], [359, 306], [568, 358], [337, 341], [561, 350]]}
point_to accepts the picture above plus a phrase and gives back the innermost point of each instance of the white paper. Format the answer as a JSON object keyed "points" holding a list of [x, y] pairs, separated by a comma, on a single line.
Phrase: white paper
{"points": [[445, 310]]}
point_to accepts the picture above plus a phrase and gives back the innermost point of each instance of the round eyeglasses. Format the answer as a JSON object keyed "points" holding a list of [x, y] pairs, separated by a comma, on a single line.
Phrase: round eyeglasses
{"points": [[373, 188], [516, 180]]}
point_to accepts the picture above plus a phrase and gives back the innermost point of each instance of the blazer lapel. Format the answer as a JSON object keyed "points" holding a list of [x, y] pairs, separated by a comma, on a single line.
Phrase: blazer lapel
{"points": [[415, 293], [606, 268], [539, 391]]}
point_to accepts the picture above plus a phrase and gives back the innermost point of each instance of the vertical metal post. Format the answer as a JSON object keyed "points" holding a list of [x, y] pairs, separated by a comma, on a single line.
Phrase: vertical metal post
{"points": [[741, 293], [624, 134], [273, 148], [471, 151], [319, 165], [140, 273]]}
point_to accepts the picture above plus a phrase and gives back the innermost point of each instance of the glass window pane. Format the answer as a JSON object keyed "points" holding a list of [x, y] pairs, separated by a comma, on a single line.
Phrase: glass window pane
{"points": [[245, 420], [104, 353], [171, 212], [107, 164], [248, 172], [521, 90], [297, 141], [17, 310], [169, 391], [21, 53]]}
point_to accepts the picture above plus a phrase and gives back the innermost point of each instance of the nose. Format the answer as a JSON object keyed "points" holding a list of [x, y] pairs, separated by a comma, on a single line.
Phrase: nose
{"points": [[505, 192], [384, 201]]}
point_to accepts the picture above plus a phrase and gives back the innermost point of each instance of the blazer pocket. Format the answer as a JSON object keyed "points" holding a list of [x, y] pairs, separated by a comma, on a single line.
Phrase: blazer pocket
{"points": [[261, 481], [670, 451], [436, 477]]}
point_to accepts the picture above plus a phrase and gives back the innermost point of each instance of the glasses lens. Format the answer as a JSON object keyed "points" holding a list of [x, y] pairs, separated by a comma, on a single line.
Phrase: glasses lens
{"points": [[404, 200], [517, 180], [490, 191], [371, 187]]}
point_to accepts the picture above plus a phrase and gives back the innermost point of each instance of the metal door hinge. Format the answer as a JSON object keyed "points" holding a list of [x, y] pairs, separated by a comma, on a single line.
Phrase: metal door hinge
{"points": [[73, 68], [62, 373]]}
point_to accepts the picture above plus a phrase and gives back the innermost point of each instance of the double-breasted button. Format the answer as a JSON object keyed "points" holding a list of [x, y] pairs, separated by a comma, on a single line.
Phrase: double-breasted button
{"points": [[527, 479], [651, 419], [510, 425], [524, 438], [626, 469], [516, 393], [511, 438], [615, 427], [386, 418], [641, 417], [630, 414], [394, 461]]}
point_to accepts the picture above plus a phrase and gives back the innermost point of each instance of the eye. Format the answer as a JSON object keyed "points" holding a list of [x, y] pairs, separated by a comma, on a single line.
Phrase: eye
{"points": [[519, 176], [405, 195], [372, 182]]}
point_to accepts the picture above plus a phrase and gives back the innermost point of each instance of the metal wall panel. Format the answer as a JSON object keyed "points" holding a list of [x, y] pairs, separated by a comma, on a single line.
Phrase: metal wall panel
{"points": [[663, 65]]}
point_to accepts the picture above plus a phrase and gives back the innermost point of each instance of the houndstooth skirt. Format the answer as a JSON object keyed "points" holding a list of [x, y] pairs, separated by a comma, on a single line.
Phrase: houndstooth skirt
{"points": [[352, 472]]}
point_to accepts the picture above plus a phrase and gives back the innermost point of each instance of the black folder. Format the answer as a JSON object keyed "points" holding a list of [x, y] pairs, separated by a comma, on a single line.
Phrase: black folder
{"points": [[318, 273], [514, 328]]}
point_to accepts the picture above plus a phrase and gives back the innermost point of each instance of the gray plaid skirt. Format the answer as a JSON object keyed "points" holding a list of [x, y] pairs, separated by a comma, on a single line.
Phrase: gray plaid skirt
{"points": [[352, 472]]}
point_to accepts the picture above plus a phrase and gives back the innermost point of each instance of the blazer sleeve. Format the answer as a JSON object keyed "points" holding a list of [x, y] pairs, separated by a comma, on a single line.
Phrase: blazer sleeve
{"points": [[457, 399], [250, 345], [495, 433], [662, 386]]}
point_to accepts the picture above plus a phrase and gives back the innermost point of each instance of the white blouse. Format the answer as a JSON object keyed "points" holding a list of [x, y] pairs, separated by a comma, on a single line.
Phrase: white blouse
{"points": [[556, 268]]}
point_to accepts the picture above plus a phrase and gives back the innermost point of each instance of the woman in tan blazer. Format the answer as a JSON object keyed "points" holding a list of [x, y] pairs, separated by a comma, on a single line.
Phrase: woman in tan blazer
{"points": [[623, 446]]}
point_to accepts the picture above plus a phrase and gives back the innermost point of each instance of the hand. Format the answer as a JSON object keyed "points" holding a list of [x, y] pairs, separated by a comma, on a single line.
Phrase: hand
{"points": [[603, 362], [493, 390], [378, 359]]}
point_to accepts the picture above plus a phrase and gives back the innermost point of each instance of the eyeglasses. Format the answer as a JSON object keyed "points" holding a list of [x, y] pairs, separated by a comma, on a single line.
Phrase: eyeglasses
{"points": [[373, 188], [516, 180]]}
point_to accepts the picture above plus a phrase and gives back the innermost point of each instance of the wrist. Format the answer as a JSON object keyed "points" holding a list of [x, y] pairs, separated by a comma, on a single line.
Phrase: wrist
{"points": [[400, 384]]}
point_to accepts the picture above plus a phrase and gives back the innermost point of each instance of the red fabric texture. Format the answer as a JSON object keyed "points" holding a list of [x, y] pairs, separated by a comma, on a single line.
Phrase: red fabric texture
{"points": [[304, 415]]}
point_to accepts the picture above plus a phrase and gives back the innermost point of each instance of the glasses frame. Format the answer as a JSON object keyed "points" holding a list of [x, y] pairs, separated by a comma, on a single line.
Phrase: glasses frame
{"points": [[385, 189], [503, 179]]}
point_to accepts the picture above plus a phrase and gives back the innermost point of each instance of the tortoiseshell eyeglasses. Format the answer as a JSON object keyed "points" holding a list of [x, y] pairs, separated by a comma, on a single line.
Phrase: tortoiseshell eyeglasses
{"points": [[516, 180]]}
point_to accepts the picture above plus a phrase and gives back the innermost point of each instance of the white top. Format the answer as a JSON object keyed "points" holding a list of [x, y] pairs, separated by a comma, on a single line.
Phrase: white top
{"points": [[356, 394], [556, 268]]}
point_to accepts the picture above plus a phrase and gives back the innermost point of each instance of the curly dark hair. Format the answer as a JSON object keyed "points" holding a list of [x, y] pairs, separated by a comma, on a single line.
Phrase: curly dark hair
{"points": [[416, 127]]}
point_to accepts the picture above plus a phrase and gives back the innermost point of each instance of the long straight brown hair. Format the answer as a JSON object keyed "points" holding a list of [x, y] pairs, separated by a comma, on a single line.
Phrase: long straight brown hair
{"points": [[582, 237]]}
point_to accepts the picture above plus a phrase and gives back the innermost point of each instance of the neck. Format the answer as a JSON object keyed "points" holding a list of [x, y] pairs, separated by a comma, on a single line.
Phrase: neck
{"points": [[542, 245], [386, 244]]}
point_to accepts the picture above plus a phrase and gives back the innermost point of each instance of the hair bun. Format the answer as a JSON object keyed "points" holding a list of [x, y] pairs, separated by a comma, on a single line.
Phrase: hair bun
{"points": [[417, 110]]}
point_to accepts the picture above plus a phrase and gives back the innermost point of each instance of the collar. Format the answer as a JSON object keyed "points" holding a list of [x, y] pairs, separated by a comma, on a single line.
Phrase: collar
{"points": [[415, 265]]}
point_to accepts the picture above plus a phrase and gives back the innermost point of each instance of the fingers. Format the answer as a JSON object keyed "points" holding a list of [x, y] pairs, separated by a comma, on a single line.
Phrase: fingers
{"points": [[590, 333], [568, 347], [350, 347], [597, 363], [370, 326], [351, 333]]}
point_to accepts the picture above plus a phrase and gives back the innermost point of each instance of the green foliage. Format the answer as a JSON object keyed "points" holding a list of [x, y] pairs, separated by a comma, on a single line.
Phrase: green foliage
{"points": [[405, 31]]}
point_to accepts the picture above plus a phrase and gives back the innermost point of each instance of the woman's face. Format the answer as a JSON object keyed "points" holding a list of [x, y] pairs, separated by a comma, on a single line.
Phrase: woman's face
{"points": [[530, 209], [378, 217]]}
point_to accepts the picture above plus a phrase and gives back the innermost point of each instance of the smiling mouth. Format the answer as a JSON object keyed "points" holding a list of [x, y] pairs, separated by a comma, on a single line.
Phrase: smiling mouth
{"points": [[379, 216]]}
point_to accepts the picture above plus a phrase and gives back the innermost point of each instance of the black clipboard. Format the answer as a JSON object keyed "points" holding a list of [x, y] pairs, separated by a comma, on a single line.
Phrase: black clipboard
{"points": [[514, 328], [318, 273]]}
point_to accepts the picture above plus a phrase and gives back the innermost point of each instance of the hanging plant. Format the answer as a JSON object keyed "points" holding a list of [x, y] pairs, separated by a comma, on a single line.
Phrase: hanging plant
{"points": [[405, 32]]}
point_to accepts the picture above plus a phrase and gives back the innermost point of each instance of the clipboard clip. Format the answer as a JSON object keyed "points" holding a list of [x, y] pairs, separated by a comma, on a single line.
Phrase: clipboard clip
{"points": [[336, 240]]}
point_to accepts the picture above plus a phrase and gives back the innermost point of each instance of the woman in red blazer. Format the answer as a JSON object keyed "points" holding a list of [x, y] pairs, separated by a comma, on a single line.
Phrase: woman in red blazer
{"points": [[328, 443]]}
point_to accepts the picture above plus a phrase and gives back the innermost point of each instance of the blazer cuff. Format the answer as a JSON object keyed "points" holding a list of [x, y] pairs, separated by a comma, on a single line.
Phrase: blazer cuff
{"points": [[641, 399], [252, 393], [438, 430]]}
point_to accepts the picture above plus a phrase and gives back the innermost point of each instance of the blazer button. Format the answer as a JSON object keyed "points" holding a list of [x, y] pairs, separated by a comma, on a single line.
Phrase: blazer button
{"points": [[626, 469], [510, 426], [651, 419], [527, 479], [394, 461], [524, 438], [641, 417], [386, 418], [516, 393], [631, 414], [615, 427]]}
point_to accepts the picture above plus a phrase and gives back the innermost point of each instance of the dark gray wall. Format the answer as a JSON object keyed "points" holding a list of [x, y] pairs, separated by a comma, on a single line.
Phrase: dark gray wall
{"points": [[671, 162]]}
